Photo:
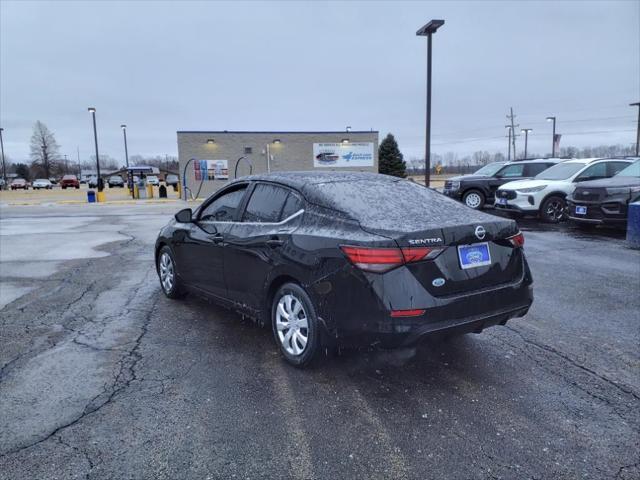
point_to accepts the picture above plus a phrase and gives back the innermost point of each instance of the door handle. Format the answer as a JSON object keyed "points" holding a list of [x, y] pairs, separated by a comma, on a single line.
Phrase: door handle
{"points": [[275, 242], [217, 238]]}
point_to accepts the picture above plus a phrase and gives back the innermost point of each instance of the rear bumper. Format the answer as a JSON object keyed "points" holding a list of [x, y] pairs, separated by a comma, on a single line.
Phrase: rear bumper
{"points": [[358, 316]]}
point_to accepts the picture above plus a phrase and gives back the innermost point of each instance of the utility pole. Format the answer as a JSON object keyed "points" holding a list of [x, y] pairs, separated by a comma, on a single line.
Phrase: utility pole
{"points": [[513, 132], [637, 104], [4, 167], [79, 169], [508, 143], [66, 164]]}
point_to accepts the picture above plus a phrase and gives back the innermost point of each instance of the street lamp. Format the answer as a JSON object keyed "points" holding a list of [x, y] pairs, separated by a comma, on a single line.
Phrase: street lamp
{"points": [[526, 139], [4, 168], [426, 31], [126, 151], [637, 104], [553, 139], [92, 110]]}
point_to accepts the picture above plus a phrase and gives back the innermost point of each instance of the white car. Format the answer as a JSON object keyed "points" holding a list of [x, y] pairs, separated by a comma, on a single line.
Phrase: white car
{"points": [[42, 183], [545, 194], [153, 180]]}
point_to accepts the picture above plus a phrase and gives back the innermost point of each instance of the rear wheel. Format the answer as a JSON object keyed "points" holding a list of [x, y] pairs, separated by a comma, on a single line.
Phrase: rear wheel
{"points": [[295, 325], [166, 267], [553, 209], [473, 199]]}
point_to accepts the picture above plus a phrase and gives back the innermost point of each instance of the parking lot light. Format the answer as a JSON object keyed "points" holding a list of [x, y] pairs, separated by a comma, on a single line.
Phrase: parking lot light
{"points": [[526, 139], [210, 141], [276, 141], [345, 140], [426, 31], [4, 168], [637, 104], [92, 110], [553, 138]]}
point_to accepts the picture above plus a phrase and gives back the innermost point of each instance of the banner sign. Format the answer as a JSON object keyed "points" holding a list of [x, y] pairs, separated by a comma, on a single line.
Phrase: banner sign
{"points": [[211, 169], [343, 154]]}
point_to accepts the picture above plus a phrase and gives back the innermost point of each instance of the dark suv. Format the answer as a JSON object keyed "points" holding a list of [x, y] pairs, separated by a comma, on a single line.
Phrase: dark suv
{"points": [[479, 189], [605, 201]]}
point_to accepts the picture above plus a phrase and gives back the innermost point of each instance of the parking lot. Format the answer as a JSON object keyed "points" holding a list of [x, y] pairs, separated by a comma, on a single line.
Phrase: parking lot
{"points": [[104, 377]]}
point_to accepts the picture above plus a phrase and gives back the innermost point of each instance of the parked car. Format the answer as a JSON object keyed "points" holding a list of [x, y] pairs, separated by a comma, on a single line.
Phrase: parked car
{"points": [[53, 180], [42, 183], [546, 194], [152, 180], [2, 183], [115, 181], [92, 181], [19, 184], [330, 258], [171, 179], [478, 189], [605, 201], [69, 181]]}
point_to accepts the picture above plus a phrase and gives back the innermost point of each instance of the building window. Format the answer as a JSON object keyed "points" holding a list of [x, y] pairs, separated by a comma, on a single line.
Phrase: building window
{"points": [[248, 150]]}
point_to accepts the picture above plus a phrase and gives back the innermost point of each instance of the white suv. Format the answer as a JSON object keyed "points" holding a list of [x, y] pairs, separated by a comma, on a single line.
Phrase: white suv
{"points": [[545, 194]]}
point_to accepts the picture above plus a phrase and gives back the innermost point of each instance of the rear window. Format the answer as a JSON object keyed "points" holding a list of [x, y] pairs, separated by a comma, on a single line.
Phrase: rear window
{"points": [[536, 168], [398, 205], [632, 170], [69, 177]]}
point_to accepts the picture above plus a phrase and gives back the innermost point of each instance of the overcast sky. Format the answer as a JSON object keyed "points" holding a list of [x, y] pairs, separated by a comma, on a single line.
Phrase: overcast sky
{"points": [[165, 66]]}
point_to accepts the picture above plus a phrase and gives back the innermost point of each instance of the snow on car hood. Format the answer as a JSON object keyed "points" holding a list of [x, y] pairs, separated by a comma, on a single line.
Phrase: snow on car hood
{"points": [[518, 184]]}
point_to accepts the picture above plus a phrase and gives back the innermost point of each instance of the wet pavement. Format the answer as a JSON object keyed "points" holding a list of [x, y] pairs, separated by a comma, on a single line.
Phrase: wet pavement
{"points": [[103, 377]]}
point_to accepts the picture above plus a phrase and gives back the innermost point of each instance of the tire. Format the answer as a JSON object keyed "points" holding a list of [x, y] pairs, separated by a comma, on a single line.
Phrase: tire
{"points": [[167, 274], [64, 188], [301, 347], [77, 187], [553, 209], [474, 199]]}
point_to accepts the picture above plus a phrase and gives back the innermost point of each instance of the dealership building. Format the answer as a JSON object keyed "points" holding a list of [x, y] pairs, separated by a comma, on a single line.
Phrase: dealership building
{"points": [[211, 159]]}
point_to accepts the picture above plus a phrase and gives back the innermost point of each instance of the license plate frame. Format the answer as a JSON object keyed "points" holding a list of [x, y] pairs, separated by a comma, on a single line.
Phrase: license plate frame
{"points": [[474, 255], [581, 210], [502, 201]]}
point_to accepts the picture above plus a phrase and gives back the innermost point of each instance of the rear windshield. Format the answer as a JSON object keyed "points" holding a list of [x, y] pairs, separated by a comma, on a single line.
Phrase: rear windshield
{"points": [[490, 169], [562, 171], [69, 177], [392, 205], [632, 170]]}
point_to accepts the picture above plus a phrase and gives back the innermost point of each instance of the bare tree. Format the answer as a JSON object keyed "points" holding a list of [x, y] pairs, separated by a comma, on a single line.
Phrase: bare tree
{"points": [[44, 149]]}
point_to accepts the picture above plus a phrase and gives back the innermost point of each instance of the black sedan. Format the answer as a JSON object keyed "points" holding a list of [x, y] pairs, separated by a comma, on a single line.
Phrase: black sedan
{"points": [[605, 201], [331, 259]]}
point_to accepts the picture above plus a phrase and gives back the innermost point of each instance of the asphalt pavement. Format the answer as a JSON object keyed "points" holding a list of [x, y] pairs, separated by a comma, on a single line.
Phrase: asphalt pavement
{"points": [[103, 377]]}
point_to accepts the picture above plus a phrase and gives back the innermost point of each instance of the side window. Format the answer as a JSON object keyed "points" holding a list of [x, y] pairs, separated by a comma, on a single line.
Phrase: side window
{"points": [[599, 170], [265, 204], [223, 208], [514, 170], [534, 169], [613, 168], [291, 206]]}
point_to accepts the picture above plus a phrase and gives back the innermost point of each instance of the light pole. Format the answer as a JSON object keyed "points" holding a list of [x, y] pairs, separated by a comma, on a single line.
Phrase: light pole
{"points": [[526, 139], [509, 144], [126, 151], [95, 138], [427, 31], [637, 104], [553, 138], [4, 168]]}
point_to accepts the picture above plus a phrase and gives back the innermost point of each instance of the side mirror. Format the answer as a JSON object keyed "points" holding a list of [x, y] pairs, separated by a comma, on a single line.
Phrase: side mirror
{"points": [[184, 216]]}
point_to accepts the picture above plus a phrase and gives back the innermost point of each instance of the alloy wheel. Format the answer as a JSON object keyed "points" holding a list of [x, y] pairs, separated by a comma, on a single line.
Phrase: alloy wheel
{"points": [[292, 324], [167, 272], [472, 200], [555, 210]]}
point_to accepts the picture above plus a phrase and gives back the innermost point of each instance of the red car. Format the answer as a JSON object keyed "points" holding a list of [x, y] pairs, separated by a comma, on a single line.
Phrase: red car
{"points": [[19, 183], [70, 181]]}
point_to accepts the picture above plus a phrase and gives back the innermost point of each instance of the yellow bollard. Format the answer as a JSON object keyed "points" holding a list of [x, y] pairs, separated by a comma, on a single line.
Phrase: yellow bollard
{"points": [[136, 192], [101, 197], [179, 190], [149, 191]]}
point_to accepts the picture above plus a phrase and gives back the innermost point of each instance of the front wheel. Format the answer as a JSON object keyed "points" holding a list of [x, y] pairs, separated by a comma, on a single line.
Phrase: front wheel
{"points": [[295, 325], [553, 209], [166, 267], [473, 199]]}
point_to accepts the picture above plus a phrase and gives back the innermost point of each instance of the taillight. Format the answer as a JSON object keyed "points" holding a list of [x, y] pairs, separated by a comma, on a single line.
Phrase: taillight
{"points": [[380, 260], [517, 240]]}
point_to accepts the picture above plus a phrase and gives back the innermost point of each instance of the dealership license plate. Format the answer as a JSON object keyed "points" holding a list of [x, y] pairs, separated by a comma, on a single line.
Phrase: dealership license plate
{"points": [[502, 201], [476, 255], [581, 210]]}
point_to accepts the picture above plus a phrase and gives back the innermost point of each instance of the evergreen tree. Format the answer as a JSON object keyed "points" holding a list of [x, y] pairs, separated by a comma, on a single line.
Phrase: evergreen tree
{"points": [[390, 159]]}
